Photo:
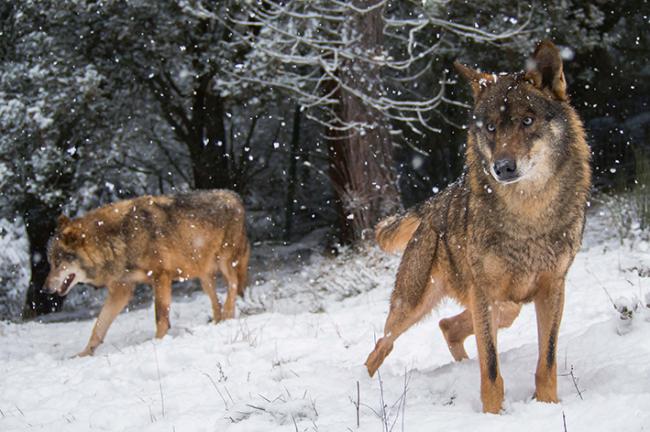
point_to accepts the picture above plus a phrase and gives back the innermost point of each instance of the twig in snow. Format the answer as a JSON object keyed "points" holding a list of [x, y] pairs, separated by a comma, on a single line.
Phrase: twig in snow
{"points": [[358, 403], [601, 285], [214, 384], [384, 415], [256, 407], [228, 393], [564, 421], [575, 383], [162, 398], [401, 402], [406, 379]]}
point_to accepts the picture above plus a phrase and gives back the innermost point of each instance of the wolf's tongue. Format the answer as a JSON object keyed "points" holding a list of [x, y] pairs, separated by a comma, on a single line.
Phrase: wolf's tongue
{"points": [[66, 284]]}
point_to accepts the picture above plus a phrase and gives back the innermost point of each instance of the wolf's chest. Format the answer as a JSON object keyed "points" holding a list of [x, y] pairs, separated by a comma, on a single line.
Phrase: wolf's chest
{"points": [[511, 269]]}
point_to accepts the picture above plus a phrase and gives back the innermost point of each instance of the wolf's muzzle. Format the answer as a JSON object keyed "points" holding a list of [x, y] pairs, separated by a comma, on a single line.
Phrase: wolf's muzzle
{"points": [[505, 169]]}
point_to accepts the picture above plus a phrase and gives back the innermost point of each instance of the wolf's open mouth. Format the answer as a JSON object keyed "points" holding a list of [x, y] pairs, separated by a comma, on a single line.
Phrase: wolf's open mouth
{"points": [[65, 286]]}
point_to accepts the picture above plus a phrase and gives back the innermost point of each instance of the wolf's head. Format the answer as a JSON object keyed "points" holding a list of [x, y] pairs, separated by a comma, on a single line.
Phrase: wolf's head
{"points": [[520, 125], [65, 253]]}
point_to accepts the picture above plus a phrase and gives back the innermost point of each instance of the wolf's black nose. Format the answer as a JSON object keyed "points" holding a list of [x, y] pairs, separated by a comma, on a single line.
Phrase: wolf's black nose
{"points": [[505, 169]]}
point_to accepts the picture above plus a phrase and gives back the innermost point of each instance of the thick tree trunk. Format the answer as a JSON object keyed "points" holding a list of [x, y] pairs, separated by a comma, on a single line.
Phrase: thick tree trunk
{"points": [[293, 169], [201, 129], [40, 223], [361, 158], [207, 140]]}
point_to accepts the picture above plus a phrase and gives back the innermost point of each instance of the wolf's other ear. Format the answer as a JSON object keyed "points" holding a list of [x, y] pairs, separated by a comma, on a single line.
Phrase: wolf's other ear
{"points": [[478, 80], [545, 70], [62, 221]]}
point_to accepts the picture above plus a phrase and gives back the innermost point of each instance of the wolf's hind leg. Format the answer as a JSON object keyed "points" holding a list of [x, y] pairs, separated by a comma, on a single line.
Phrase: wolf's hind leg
{"points": [[229, 271], [208, 285], [418, 289], [403, 314], [119, 295], [242, 269], [162, 291], [459, 327]]}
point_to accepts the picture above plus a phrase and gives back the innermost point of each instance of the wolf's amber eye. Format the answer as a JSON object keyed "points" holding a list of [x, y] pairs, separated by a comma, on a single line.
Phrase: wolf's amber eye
{"points": [[527, 121], [491, 127]]}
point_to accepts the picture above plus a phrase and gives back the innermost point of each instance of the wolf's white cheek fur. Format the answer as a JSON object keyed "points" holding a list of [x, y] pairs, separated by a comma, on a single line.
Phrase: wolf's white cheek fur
{"points": [[538, 168]]}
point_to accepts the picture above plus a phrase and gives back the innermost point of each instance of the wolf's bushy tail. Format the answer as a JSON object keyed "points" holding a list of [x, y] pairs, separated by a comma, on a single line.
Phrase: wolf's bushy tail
{"points": [[394, 232]]}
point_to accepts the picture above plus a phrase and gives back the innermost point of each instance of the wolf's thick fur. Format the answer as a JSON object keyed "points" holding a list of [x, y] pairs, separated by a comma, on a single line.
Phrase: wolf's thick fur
{"points": [[153, 240], [506, 232]]}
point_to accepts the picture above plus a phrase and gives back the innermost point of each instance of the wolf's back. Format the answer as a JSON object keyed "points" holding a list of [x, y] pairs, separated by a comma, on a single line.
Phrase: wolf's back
{"points": [[394, 232]]}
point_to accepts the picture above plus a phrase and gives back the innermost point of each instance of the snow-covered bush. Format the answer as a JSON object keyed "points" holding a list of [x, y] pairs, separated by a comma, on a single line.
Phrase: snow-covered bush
{"points": [[14, 268]]}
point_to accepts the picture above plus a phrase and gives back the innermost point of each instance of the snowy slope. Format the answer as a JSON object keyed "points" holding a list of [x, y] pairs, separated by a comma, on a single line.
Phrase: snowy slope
{"points": [[293, 359]]}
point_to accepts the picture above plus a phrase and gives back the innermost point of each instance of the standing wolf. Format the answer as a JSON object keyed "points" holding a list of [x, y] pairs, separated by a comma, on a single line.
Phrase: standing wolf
{"points": [[152, 240], [506, 232]]}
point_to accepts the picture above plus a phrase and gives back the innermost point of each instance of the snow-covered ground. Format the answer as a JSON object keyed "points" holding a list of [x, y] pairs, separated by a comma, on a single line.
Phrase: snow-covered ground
{"points": [[294, 358]]}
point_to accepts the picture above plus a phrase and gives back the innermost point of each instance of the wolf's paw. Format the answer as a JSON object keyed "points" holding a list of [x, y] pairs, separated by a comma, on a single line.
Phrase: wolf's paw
{"points": [[546, 398], [492, 408], [376, 358], [215, 320], [85, 353]]}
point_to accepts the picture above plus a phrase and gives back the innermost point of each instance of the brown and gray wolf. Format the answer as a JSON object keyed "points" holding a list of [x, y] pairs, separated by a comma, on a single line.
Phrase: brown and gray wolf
{"points": [[506, 232], [153, 240]]}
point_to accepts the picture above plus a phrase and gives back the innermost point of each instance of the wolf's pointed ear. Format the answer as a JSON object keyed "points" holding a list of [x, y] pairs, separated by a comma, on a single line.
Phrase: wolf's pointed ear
{"points": [[63, 220], [71, 236], [478, 80], [545, 71]]}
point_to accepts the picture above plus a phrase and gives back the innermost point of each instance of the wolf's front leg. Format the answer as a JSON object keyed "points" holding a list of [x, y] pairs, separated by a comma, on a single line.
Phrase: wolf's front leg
{"points": [[119, 295], [162, 290], [485, 330], [549, 303], [208, 285]]}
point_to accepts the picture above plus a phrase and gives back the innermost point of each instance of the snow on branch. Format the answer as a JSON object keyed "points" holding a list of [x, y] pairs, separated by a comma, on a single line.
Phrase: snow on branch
{"points": [[312, 49]]}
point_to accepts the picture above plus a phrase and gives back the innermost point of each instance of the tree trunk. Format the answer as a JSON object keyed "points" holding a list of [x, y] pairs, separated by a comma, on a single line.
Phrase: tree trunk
{"points": [[361, 158], [293, 168], [40, 223], [207, 139], [201, 128]]}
